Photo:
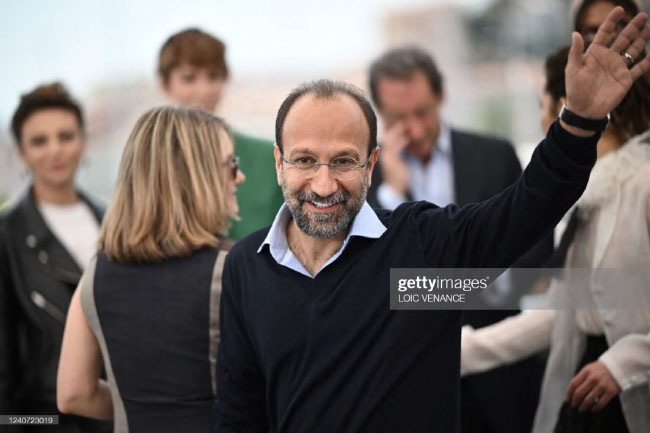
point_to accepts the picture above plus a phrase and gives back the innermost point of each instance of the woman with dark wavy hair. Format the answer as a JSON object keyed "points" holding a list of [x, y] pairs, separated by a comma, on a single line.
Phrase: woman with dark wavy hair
{"points": [[46, 240]]}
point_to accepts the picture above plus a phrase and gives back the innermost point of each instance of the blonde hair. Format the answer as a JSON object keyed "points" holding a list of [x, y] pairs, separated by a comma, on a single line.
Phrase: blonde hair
{"points": [[170, 195]]}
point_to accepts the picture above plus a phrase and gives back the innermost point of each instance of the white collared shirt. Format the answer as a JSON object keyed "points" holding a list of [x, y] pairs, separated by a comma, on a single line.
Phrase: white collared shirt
{"points": [[366, 224], [432, 182]]}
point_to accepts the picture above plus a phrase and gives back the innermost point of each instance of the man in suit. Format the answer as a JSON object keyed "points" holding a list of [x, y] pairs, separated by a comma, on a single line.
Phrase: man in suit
{"points": [[423, 158]]}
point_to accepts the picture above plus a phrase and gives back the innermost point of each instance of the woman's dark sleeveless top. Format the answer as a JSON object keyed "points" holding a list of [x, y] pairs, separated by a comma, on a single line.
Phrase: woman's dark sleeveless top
{"points": [[157, 326]]}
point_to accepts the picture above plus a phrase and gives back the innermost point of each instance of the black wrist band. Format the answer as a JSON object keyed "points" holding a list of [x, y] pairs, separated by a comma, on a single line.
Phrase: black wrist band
{"points": [[571, 118]]}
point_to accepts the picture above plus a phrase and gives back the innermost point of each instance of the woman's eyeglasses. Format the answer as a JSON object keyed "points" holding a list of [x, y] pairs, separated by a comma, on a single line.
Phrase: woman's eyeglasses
{"points": [[233, 163]]}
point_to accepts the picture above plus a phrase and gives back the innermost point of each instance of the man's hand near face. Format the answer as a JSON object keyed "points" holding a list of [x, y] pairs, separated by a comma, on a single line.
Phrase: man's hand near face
{"points": [[395, 171]]}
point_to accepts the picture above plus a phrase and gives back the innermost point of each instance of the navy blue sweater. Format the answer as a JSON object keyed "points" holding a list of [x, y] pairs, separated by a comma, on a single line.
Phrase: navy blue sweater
{"points": [[328, 355]]}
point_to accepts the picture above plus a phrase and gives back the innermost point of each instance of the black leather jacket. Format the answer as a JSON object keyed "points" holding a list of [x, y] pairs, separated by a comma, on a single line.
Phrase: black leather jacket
{"points": [[37, 279]]}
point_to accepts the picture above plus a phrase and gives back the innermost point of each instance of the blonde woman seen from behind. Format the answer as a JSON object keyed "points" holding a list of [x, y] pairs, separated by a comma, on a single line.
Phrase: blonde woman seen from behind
{"points": [[148, 303]]}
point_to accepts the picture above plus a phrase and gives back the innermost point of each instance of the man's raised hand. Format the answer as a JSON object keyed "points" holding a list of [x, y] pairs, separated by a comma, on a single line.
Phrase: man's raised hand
{"points": [[598, 79]]}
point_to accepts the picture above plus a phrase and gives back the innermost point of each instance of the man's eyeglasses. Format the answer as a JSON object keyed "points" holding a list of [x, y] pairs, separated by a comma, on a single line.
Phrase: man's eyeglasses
{"points": [[233, 163], [342, 167]]}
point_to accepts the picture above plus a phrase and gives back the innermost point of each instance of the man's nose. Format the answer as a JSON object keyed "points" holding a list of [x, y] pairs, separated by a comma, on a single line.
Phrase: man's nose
{"points": [[323, 183]]}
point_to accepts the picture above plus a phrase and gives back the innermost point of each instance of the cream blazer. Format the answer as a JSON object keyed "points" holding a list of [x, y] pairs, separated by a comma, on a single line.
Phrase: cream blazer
{"points": [[616, 234]]}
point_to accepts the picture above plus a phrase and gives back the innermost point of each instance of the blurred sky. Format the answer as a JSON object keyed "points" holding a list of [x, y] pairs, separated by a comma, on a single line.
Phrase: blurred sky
{"points": [[85, 43]]}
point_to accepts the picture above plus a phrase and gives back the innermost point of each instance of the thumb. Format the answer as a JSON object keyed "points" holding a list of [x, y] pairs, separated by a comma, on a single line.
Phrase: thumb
{"points": [[576, 51]]}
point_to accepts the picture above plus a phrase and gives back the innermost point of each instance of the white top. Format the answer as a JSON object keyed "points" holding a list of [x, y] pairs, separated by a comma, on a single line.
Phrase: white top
{"points": [[615, 235], [432, 182], [505, 342], [75, 226]]}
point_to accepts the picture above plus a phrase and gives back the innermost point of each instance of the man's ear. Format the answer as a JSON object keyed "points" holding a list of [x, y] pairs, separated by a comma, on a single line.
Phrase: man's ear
{"points": [[278, 163], [374, 155]]}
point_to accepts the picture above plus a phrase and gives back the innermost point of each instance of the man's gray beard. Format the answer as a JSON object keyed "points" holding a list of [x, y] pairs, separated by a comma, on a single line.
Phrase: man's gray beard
{"points": [[325, 225]]}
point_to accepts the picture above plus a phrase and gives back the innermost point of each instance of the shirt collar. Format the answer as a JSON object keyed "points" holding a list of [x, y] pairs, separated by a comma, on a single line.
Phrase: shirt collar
{"points": [[366, 224], [276, 238]]}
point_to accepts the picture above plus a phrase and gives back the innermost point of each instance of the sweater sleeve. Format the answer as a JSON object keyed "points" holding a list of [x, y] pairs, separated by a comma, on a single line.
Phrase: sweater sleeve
{"points": [[496, 232], [505, 342], [241, 388]]}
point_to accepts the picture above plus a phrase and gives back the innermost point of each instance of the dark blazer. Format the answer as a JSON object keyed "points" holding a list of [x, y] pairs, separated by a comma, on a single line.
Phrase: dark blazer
{"points": [[504, 399], [483, 167], [37, 279]]}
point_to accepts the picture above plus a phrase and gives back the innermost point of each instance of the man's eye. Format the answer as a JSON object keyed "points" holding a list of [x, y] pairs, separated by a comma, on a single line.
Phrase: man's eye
{"points": [[304, 161], [344, 162]]}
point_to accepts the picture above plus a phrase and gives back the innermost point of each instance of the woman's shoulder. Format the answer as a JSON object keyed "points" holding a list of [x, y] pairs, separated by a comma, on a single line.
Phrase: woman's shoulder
{"points": [[7, 210], [24, 207], [641, 179], [634, 162], [15, 210], [204, 256], [636, 191]]}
